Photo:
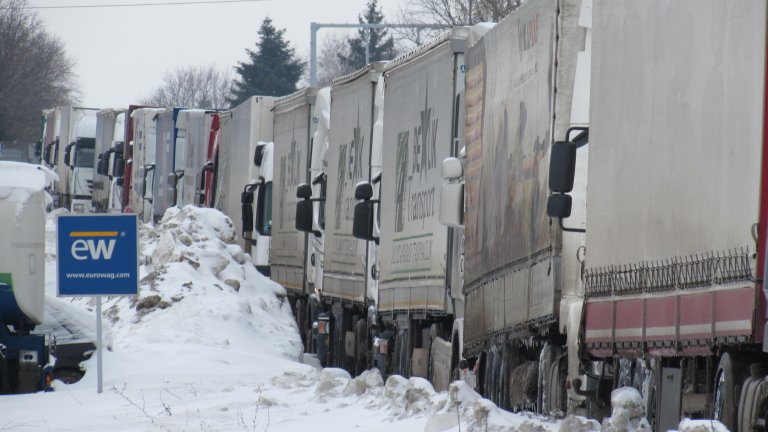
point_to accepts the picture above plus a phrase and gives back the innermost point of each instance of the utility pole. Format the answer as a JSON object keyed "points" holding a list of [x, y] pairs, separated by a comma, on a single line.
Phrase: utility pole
{"points": [[314, 27]]}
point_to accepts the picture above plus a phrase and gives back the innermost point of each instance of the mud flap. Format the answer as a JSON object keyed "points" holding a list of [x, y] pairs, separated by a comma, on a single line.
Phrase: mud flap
{"points": [[419, 360]]}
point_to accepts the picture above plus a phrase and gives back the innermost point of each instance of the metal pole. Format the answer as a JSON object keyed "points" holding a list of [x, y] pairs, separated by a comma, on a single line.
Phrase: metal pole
{"points": [[314, 27], [313, 54], [367, 46], [98, 345]]}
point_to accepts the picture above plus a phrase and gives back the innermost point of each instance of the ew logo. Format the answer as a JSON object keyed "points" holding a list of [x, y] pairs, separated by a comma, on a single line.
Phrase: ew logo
{"points": [[93, 249]]}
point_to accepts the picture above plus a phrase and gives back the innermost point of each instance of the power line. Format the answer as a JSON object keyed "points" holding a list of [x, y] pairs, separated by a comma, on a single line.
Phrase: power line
{"points": [[116, 5]]}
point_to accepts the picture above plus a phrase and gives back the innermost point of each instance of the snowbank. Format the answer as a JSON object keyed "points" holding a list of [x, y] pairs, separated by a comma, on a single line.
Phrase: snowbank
{"points": [[200, 298], [628, 412]]}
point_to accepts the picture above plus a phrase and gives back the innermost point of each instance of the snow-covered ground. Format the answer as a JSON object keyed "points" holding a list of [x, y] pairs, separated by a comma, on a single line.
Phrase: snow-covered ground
{"points": [[210, 345]]}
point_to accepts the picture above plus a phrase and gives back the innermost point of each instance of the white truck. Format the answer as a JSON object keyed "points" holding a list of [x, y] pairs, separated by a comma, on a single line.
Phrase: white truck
{"points": [[110, 132], [294, 126], [241, 130], [79, 158], [417, 301], [143, 161], [343, 292]]}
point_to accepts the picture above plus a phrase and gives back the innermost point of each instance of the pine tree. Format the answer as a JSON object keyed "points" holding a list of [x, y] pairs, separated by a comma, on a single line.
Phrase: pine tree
{"points": [[380, 45], [273, 69]]}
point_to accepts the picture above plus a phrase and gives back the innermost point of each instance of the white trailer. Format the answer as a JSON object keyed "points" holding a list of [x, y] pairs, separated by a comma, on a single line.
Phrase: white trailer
{"points": [[241, 129], [144, 147]]}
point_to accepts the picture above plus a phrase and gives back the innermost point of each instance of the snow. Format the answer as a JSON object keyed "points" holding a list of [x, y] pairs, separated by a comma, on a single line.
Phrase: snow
{"points": [[20, 180], [210, 345]]}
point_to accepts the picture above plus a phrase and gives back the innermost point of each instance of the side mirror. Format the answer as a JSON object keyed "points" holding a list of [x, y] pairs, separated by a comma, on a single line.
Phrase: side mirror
{"points": [[562, 167], [246, 201], [304, 209], [562, 170], [559, 206], [119, 182], [304, 191], [362, 224]]}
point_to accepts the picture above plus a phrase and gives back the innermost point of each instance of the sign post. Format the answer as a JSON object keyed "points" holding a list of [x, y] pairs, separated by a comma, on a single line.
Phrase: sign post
{"points": [[98, 255]]}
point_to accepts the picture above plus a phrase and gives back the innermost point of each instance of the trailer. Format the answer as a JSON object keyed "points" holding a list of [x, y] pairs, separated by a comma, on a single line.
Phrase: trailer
{"points": [[192, 138], [241, 129], [109, 131], [294, 127], [676, 227], [519, 278], [143, 161], [126, 180], [408, 247], [207, 169], [25, 363], [165, 177], [79, 158]]}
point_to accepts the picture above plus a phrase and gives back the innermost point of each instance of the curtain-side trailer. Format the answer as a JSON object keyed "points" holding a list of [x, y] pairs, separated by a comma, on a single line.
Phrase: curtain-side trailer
{"points": [[294, 126], [677, 209], [520, 277]]}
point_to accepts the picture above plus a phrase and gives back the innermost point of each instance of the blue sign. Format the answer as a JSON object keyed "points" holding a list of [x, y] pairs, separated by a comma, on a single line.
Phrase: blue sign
{"points": [[98, 255]]}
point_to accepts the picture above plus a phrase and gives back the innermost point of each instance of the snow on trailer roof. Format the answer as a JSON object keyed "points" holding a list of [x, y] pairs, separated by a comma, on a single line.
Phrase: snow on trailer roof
{"points": [[298, 98], [457, 36], [25, 176], [375, 68]]}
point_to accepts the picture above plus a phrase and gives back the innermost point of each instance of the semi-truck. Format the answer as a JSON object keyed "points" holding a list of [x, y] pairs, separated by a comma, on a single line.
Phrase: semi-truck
{"points": [[343, 294], [206, 179], [294, 126], [240, 130], [143, 161], [418, 309], [25, 362], [192, 137], [126, 181], [676, 210], [110, 130], [79, 159]]}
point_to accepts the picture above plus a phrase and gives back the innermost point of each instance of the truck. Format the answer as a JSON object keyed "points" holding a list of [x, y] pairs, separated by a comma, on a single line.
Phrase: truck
{"points": [[240, 131], [674, 266], [343, 294], [524, 86], [25, 363], [125, 181], [207, 169], [419, 305], [79, 159], [192, 139], [143, 162], [294, 126], [165, 176], [110, 132]]}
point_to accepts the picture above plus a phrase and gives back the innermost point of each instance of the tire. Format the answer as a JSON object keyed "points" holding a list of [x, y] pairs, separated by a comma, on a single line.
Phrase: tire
{"points": [[361, 346], [67, 376], [728, 379]]}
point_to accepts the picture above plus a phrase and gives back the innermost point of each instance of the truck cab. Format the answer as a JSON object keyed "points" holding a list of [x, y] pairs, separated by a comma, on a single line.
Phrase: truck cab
{"points": [[80, 159]]}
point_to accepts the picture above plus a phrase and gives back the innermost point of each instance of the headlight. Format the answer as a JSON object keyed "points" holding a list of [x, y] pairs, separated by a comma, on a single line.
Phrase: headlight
{"points": [[78, 208]]}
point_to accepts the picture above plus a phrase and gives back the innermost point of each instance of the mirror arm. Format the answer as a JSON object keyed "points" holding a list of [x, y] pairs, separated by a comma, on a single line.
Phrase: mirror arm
{"points": [[576, 230]]}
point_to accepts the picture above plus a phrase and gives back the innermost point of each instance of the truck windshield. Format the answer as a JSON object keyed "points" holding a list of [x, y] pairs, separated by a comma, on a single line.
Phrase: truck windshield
{"points": [[84, 158]]}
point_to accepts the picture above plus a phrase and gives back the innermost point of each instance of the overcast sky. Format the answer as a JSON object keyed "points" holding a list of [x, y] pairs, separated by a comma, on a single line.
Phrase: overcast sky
{"points": [[122, 53]]}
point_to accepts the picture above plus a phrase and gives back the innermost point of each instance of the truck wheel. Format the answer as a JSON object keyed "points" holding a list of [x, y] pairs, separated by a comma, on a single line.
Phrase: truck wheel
{"points": [[361, 346], [727, 391], [67, 376]]}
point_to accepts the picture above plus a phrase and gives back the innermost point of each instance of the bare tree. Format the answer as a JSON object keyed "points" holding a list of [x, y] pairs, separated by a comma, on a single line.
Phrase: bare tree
{"points": [[452, 13], [205, 87], [35, 73], [328, 65]]}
